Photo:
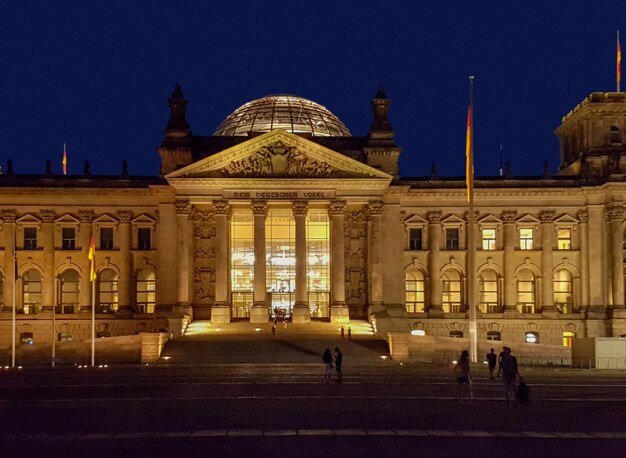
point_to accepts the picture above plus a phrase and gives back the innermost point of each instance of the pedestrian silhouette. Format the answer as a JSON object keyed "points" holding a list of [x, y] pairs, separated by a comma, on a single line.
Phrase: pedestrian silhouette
{"points": [[492, 359], [338, 363], [343, 336], [349, 333], [327, 358]]}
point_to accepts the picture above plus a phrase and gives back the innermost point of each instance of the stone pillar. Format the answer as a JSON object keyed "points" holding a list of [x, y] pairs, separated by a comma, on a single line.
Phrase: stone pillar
{"points": [[435, 308], [183, 271], [584, 259], [339, 311], [259, 313], [374, 212], [547, 263], [597, 271], [8, 230], [301, 311], [48, 298], [124, 288], [615, 216], [85, 232], [510, 239], [220, 312]]}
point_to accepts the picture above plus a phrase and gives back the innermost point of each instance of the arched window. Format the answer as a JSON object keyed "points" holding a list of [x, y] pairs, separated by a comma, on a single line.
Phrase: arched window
{"points": [[526, 291], [493, 335], [31, 292], [414, 291], [69, 291], [107, 291], [567, 338], [451, 297], [456, 333], [615, 135], [146, 291], [488, 292], [563, 297]]}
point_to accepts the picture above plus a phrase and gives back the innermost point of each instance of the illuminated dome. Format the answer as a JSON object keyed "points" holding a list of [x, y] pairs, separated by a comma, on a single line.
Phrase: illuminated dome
{"points": [[288, 112]]}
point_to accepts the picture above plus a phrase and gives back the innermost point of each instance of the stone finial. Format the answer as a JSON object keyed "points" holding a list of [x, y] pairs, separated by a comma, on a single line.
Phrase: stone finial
{"points": [[433, 171], [177, 126], [380, 108]]}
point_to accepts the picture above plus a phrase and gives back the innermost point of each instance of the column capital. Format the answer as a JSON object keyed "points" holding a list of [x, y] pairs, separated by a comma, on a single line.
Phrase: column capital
{"points": [[47, 216], [182, 207], [374, 209], [299, 207], [8, 216], [125, 216], [259, 207], [221, 207], [337, 208], [614, 212], [466, 215], [85, 216], [583, 216], [509, 216], [433, 216], [546, 216]]}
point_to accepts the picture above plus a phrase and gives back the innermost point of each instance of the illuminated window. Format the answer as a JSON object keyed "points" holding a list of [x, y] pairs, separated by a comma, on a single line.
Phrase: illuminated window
{"points": [[65, 336], [526, 291], [26, 338], [107, 291], [452, 239], [146, 291], [242, 262], [414, 291], [488, 292], [415, 239], [31, 292], [451, 294], [564, 239], [280, 249], [456, 334], [567, 338], [144, 241], [30, 238], [318, 262], [68, 241], [531, 337], [69, 281], [563, 291], [493, 335], [526, 239], [489, 239], [615, 137], [106, 238]]}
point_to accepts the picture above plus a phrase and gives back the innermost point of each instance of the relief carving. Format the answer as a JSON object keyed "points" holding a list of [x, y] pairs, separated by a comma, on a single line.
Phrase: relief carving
{"points": [[355, 233], [204, 230]]}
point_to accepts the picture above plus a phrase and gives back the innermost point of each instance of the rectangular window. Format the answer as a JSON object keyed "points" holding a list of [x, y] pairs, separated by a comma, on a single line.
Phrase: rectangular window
{"points": [[489, 239], [69, 238], [143, 238], [30, 238], [452, 239], [564, 239], [526, 239], [106, 238], [415, 239]]}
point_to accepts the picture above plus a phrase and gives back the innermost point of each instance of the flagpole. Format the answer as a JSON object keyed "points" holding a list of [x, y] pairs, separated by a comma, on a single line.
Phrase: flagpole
{"points": [[471, 248], [619, 63], [15, 277], [54, 306], [93, 323]]}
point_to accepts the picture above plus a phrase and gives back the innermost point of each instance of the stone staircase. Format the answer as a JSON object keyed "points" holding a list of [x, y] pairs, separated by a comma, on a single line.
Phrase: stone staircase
{"points": [[246, 343]]}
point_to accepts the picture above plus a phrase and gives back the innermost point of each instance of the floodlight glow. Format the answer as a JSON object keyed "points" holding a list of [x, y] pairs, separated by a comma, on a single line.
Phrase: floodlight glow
{"points": [[257, 329], [383, 356], [418, 332]]}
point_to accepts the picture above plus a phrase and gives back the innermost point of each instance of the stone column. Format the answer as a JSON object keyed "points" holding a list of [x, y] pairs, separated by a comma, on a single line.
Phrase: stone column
{"points": [[8, 229], [510, 239], [47, 242], [124, 289], [597, 270], [259, 313], [85, 232], [301, 311], [339, 311], [435, 308], [615, 217], [547, 263], [584, 259], [183, 271], [220, 312], [374, 212]]}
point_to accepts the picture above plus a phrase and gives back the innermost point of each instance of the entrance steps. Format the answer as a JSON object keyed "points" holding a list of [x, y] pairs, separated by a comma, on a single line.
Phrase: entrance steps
{"points": [[243, 342]]}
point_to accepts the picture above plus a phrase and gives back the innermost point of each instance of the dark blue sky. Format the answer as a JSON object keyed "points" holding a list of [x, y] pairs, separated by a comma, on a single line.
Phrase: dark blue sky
{"points": [[97, 74]]}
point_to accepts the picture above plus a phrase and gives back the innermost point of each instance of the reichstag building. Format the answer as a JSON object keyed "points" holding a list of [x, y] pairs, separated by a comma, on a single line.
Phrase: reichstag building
{"points": [[282, 212]]}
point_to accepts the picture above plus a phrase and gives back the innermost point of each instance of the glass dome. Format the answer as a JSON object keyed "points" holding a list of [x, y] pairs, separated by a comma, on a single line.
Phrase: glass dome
{"points": [[288, 112]]}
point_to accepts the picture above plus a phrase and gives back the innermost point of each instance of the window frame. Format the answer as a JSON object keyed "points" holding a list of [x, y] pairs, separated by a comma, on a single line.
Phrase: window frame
{"points": [[30, 243]]}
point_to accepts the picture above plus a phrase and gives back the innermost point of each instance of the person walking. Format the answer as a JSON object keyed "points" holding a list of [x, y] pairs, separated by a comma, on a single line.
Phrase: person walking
{"points": [[463, 375], [338, 363], [273, 329], [492, 360], [510, 374], [327, 358], [343, 334], [349, 333]]}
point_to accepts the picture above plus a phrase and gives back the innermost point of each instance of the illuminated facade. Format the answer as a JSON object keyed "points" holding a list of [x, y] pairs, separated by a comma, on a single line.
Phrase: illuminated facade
{"points": [[283, 212]]}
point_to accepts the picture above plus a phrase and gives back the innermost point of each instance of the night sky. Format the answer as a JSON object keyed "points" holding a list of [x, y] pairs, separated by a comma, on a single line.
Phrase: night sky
{"points": [[97, 75]]}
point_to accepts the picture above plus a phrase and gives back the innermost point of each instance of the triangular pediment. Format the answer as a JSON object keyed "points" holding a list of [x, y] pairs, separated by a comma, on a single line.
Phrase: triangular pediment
{"points": [[566, 220], [278, 154], [143, 219], [489, 219], [528, 219], [67, 219], [452, 219], [28, 218], [415, 219], [105, 219]]}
